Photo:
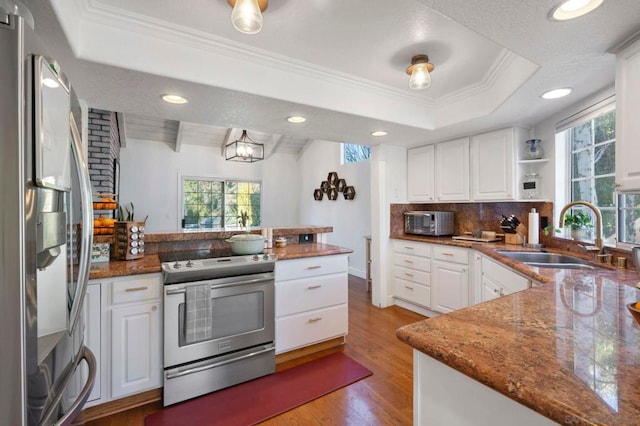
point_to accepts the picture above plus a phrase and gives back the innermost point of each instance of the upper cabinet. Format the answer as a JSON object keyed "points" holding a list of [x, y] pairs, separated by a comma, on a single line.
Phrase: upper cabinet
{"points": [[420, 174], [452, 170], [492, 165], [627, 110], [439, 172]]}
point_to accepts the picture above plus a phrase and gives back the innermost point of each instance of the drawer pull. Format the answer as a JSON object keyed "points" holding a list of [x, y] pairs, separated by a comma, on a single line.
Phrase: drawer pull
{"points": [[408, 248], [447, 254], [408, 274], [314, 267], [408, 287], [132, 289], [408, 261], [313, 287], [316, 319]]}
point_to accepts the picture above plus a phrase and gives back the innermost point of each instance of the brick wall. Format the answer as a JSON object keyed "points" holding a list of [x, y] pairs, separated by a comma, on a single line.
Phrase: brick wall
{"points": [[104, 148]]}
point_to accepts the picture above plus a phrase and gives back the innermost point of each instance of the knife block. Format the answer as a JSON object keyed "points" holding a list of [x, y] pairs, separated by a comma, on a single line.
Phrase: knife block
{"points": [[514, 239], [129, 241]]}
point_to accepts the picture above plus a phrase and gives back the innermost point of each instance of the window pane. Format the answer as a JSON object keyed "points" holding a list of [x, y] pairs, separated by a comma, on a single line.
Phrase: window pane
{"points": [[581, 136], [629, 218], [604, 191], [204, 186], [231, 187], [605, 127], [254, 188], [605, 159], [354, 153], [608, 224], [581, 190], [582, 164]]}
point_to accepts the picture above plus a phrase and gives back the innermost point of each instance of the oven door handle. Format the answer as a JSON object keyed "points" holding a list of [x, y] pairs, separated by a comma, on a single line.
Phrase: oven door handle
{"points": [[188, 371], [216, 286]]}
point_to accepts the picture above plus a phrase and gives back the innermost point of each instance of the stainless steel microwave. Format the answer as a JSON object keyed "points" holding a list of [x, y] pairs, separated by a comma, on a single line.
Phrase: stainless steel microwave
{"points": [[428, 223]]}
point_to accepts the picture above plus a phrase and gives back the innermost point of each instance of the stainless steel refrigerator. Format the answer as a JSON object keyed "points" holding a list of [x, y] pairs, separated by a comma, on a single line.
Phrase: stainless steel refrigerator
{"points": [[46, 372]]}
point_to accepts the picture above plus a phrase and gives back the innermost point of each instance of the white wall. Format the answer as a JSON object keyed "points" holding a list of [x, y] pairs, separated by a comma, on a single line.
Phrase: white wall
{"points": [[351, 219], [150, 171]]}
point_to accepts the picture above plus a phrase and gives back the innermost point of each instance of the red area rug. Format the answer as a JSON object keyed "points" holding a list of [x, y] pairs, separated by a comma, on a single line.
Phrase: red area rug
{"points": [[257, 400]]}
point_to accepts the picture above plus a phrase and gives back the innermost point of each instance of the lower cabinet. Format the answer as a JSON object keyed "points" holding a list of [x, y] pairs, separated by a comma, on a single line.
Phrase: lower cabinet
{"points": [[450, 278], [311, 301], [124, 331], [498, 280]]}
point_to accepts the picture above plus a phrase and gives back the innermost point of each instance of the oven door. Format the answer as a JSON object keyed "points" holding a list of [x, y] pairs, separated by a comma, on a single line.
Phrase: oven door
{"points": [[242, 311]]}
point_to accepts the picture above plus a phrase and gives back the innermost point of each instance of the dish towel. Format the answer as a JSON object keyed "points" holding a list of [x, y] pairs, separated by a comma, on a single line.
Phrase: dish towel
{"points": [[198, 310]]}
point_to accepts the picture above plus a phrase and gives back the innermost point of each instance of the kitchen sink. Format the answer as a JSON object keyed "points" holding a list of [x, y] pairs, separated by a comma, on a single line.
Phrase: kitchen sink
{"points": [[547, 260]]}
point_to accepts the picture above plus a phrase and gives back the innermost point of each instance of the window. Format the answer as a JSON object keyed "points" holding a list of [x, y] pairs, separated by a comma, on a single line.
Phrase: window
{"points": [[216, 203], [352, 153], [591, 169]]}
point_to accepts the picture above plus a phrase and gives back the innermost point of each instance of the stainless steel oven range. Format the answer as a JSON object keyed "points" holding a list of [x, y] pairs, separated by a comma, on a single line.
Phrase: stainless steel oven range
{"points": [[219, 322]]}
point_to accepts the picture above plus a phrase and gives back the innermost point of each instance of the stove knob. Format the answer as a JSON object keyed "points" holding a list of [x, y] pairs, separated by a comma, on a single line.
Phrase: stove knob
{"points": [[265, 256], [190, 264], [177, 265], [255, 257]]}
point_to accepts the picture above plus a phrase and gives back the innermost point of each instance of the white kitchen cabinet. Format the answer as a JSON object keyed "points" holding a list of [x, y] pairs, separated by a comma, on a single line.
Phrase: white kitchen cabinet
{"points": [[93, 333], [449, 278], [452, 170], [498, 280], [627, 123], [412, 275], [311, 301], [492, 165], [421, 174]]}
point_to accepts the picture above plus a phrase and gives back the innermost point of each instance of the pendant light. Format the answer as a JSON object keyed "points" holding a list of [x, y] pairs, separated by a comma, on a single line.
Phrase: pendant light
{"points": [[246, 15], [244, 150], [420, 70]]}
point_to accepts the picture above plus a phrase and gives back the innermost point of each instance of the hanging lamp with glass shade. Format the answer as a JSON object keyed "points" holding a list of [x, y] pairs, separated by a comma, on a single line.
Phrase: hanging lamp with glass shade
{"points": [[246, 15], [244, 150], [420, 72]]}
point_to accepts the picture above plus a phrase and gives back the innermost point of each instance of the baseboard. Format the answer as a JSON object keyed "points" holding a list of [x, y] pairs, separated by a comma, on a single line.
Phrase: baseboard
{"points": [[417, 309], [309, 350], [119, 405], [358, 273]]}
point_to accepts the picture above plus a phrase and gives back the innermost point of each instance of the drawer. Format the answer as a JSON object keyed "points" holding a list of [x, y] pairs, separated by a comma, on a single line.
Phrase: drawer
{"points": [[451, 254], [413, 262], [310, 266], [304, 329], [419, 277], [411, 247], [136, 290], [307, 294], [411, 292]]}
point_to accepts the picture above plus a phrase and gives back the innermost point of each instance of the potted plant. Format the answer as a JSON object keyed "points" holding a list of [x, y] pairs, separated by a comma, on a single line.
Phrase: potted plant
{"points": [[580, 225]]}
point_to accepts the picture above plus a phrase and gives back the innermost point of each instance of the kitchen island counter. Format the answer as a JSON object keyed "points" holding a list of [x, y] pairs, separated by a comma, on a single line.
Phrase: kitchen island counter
{"points": [[151, 263], [568, 349]]}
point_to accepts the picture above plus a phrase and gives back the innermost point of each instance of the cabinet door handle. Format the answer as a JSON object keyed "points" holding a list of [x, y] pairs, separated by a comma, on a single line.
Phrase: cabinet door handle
{"points": [[496, 291], [315, 319], [314, 267], [408, 274], [408, 287], [132, 289], [313, 287]]}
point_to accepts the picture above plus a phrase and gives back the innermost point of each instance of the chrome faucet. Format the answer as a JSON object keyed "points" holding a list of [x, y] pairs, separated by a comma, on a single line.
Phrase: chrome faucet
{"points": [[595, 210]]}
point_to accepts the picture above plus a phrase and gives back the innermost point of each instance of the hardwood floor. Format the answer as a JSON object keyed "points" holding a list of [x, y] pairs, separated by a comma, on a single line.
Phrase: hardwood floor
{"points": [[386, 398]]}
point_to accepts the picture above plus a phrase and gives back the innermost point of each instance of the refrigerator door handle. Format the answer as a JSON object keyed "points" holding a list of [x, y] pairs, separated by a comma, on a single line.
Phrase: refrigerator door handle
{"points": [[87, 226], [77, 405]]}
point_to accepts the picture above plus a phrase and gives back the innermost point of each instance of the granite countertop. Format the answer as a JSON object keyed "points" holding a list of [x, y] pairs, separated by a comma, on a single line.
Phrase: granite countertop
{"points": [[151, 263], [568, 349]]}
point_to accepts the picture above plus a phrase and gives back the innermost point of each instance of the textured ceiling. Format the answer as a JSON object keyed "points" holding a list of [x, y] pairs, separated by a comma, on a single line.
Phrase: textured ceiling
{"points": [[340, 63]]}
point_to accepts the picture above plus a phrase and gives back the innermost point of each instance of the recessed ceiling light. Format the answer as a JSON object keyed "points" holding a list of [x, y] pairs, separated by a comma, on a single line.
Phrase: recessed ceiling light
{"points": [[556, 93], [571, 9], [174, 99], [379, 133], [296, 119], [50, 82]]}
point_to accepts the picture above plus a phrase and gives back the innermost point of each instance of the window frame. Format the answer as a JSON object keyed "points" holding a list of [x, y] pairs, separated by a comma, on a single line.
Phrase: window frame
{"points": [[181, 200]]}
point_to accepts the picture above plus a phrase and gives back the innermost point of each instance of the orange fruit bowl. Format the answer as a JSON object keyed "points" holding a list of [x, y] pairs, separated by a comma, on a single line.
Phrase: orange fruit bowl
{"points": [[635, 311]]}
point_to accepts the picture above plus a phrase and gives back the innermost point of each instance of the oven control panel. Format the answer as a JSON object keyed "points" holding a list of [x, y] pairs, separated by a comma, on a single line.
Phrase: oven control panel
{"points": [[202, 266]]}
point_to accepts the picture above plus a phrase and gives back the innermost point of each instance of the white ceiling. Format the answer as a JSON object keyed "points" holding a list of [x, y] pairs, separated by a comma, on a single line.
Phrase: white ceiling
{"points": [[339, 63]]}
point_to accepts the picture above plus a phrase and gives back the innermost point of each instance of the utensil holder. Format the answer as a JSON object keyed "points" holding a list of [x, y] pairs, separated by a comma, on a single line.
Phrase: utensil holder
{"points": [[514, 239]]}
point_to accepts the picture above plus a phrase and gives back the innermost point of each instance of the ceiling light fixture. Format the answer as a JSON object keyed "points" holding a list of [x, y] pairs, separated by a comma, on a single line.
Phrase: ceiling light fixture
{"points": [[379, 133], [571, 9], [556, 93], [246, 15], [244, 150], [174, 99], [296, 119], [420, 70]]}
